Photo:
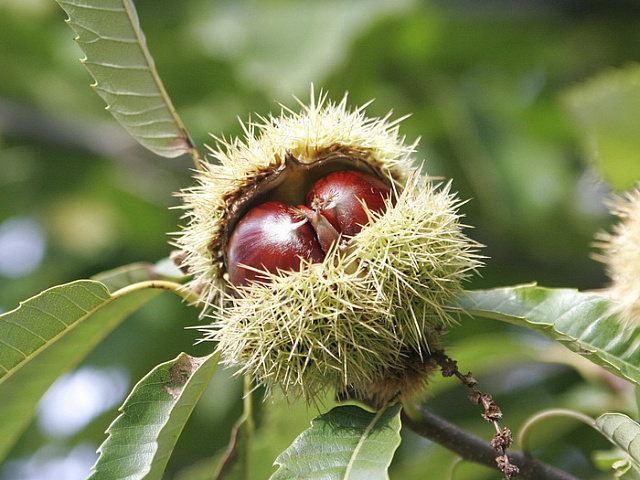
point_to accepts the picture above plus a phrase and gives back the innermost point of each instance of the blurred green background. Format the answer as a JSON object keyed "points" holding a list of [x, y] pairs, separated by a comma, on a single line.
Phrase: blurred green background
{"points": [[484, 82]]}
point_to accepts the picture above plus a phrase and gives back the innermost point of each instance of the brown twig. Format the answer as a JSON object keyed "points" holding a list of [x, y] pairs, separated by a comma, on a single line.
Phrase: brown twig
{"points": [[492, 413]]}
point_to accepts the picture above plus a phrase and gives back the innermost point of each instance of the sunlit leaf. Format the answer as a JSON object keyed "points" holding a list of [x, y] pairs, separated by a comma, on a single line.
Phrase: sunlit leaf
{"points": [[142, 438], [48, 335], [578, 320], [345, 443], [607, 111], [623, 432], [125, 76]]}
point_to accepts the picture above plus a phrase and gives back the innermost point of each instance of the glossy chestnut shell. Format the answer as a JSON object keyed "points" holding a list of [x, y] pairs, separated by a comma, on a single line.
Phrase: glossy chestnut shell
{"points": [[339, 197], [273, 236]]}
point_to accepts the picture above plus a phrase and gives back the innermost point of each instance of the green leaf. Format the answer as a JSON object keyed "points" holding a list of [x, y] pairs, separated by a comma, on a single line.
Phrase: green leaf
{"points": [[580, 321], [142, 438], [623, 432], [345, 443], [607, 111], [125, 75], [46, 336]]}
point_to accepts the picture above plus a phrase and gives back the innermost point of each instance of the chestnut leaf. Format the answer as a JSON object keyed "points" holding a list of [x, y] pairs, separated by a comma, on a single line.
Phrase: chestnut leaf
{"points": [[345, 443], [623, 432], [125, 75], [578, 320], [46, 336], [142, 438]]}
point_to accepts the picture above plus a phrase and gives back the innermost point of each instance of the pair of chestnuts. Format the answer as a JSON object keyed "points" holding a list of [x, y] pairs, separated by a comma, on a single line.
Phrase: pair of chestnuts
{"points": [[276, 237]]}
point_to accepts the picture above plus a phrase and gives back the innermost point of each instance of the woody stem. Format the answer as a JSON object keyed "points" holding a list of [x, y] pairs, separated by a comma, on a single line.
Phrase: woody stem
{"points": [[492, 413]]}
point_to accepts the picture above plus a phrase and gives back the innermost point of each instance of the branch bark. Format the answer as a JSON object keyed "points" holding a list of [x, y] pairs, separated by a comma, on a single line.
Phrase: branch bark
{"points": [[474, 449]]}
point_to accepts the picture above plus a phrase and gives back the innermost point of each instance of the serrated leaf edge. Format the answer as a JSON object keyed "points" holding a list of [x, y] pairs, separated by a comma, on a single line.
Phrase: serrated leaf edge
{"points": [[26, 304], [182, 143], [573, 343]]}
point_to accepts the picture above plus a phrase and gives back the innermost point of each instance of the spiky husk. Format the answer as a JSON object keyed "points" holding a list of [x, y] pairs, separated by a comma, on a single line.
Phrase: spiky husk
{"points": [[320, 126], [361, 323], [620, 251], [363, 318]]}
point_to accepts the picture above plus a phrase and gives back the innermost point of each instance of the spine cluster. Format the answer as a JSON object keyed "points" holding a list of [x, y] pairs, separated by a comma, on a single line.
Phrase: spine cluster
{"points": [[362, 316]]}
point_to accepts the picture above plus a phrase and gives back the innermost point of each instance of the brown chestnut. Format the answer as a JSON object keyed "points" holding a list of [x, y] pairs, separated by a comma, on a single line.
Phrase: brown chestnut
{"points": [[274, 236], [338, 197], [271, 237]]}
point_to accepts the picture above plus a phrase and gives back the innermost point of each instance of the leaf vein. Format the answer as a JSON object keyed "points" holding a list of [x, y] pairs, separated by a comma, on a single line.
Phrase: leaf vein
{"points": [[142, 67], [13, 347], [125, 94], [90, 7]]}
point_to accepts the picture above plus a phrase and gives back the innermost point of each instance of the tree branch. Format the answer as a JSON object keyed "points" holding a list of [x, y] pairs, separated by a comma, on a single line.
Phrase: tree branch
{"points": [[473, 448]]}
